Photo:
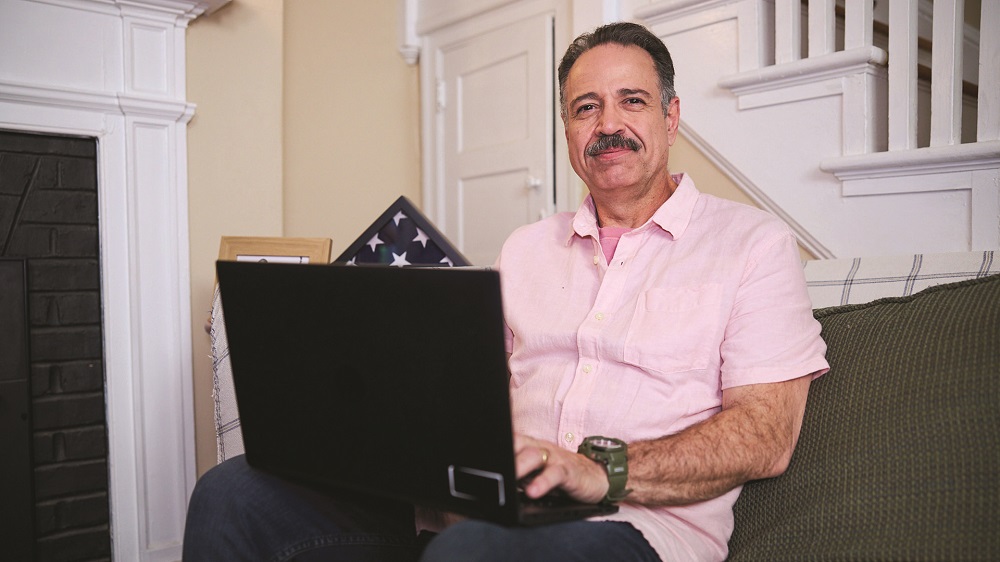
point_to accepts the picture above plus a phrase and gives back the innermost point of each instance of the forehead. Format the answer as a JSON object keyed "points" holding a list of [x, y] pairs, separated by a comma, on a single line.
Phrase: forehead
{"points": [[612, 67]]}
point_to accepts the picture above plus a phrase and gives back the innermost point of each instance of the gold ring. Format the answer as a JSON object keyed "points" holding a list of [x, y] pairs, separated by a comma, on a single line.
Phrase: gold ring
{"points": [[545, 457]]}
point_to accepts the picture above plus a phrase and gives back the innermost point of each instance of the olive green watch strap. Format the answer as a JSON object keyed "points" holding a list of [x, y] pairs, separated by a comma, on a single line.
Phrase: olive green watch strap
{"points": [[613, 454]]}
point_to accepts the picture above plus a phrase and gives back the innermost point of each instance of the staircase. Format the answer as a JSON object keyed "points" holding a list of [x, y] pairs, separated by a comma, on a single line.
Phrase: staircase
{"points": [[871, 128]]}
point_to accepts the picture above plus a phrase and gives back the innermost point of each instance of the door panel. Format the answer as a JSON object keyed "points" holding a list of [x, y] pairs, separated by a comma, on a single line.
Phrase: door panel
{"points": [[496, 96]]}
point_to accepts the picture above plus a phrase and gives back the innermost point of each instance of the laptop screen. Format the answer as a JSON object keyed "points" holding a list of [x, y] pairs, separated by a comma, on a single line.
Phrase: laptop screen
{"points": [[385, 380]]}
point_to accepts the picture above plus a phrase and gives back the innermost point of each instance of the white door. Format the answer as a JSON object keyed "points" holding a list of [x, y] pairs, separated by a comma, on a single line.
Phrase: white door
{"points": [[496, 119]]}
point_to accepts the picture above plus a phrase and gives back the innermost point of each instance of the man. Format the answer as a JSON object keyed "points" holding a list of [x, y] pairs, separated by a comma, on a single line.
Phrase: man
{"points": [[670, 320]]}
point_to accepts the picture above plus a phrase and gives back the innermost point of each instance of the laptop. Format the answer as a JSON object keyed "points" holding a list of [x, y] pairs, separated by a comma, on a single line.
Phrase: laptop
{"points": [[381, 380]]}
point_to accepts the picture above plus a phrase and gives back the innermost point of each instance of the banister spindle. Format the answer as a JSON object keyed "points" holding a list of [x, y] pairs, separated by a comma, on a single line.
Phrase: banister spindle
{"points": [[787, 31], [988, 123], [822, 27], [858, 29], [946, 72], [902, 74]]}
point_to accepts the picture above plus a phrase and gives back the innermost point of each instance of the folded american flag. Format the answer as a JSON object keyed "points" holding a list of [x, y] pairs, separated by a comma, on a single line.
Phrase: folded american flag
{"points": [[400, 237]]}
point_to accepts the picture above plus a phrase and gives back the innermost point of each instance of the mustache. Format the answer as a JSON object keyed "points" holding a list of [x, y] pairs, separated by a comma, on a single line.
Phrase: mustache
{"points": [[612, 141]]}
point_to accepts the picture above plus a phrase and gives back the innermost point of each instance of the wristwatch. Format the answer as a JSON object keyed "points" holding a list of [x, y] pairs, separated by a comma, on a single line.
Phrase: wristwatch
{"points": [[613, 454]]}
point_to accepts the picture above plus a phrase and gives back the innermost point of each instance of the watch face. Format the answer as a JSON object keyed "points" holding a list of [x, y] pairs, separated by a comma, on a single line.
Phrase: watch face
{"points": [[604, 443]]}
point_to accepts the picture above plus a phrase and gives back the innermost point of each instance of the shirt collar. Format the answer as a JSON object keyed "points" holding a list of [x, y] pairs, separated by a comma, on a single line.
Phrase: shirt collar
{"points": [[673, 216]]}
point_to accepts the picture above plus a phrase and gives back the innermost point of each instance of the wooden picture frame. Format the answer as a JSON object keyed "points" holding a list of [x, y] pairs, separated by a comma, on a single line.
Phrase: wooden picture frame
{"points": [[275, 249], [402, 236]]}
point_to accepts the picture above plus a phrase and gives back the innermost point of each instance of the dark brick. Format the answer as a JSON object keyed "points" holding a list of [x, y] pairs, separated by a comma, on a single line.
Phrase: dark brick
{"points": [[37, 143], [70, 376], [77, 173], [78, 241], [55, 241], [59, 206], [72, 444], [68, 479], [48, 201], [71, 513], [63, 172], [91, 544], [32, 240], [68, 410], [65, 309], [8, 208], [16, 171], [64, 275], [73, 342]]}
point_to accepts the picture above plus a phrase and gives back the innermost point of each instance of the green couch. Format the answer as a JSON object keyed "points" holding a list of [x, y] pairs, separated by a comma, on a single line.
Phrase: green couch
{"points": [[899, 455]]}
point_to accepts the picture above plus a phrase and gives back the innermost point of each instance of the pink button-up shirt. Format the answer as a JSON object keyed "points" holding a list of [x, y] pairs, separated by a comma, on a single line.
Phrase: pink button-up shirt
{"points": [[707, 295]]}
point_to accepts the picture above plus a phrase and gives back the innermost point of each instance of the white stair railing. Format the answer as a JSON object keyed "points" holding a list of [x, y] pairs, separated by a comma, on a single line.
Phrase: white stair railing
{"points": [[889, 112], [814, 77], [946, 74]]}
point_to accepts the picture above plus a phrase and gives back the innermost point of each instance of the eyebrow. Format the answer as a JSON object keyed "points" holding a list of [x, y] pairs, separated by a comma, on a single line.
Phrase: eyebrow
{"points": [[625, 92], [587, 96], [622, 92]]}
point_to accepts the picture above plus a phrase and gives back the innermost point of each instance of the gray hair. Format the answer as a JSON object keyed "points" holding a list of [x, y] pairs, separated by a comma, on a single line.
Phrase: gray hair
{"points": [[625, 34]]}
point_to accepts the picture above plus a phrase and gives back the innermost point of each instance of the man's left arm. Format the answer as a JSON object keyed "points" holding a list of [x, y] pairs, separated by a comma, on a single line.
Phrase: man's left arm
{"points": [[752, 437]]}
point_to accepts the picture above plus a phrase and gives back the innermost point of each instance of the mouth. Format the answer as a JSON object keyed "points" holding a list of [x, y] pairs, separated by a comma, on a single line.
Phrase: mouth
{"points": [[612, 144]]}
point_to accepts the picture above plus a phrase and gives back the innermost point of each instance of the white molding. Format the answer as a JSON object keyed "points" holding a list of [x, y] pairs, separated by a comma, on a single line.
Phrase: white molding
{"points": [[659, 12], [929, 160], [755, 194], [129, 95], [435, 15], [802, 74], [44, 95]]}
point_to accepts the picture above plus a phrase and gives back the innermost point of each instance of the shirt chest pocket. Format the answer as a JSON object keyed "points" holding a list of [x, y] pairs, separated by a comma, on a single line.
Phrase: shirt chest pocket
{"points": [[675, 329]]}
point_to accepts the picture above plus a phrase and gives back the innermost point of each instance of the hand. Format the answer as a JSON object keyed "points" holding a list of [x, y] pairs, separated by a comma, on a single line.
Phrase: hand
{"points": [[556, 468]]}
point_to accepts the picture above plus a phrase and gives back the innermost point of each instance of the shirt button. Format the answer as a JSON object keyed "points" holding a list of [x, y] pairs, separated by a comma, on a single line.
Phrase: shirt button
{"points": [[599, 316], [596, 261], [587, 368], [568, 437]]}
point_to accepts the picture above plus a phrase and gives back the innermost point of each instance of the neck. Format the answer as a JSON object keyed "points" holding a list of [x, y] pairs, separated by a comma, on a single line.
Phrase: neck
{"points": [[630, 210]]}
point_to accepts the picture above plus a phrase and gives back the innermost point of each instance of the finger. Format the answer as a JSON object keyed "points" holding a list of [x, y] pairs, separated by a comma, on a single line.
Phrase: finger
{"points": [[532, 460], [547, 480]]}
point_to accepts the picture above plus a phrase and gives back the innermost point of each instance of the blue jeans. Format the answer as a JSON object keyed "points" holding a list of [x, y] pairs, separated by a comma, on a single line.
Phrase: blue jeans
{"points": [[239, 513]]}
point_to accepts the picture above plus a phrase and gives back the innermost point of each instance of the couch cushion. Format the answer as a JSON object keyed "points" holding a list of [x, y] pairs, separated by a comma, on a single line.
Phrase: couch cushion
{"points": [[899, 455]]}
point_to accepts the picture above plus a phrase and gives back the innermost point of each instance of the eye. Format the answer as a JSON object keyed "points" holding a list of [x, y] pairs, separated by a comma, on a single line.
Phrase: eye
{"points": [[585, 107], [635, 101]]}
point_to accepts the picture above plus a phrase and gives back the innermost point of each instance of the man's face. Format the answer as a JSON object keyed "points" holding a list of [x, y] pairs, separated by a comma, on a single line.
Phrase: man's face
{"points": [[611, 93]]}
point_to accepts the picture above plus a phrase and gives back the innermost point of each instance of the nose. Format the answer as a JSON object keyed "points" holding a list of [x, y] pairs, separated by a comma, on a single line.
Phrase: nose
{"points": [[610, 121]]}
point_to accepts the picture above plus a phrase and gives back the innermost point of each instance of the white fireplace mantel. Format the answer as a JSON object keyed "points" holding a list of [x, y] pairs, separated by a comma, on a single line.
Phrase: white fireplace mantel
{"points": [[114, 70]]}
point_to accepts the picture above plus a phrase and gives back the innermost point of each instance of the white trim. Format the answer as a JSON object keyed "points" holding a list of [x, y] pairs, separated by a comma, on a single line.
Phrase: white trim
{"points": [[129, 94], [803, 72], [657, 12], [928, 160]]}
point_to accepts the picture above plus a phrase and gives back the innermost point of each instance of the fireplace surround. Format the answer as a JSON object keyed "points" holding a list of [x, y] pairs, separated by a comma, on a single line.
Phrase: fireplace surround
{"points": [[113, 70]]}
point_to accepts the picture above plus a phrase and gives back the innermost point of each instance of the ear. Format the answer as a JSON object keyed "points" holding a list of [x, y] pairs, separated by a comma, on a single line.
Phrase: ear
{"points": [[673, 119]]}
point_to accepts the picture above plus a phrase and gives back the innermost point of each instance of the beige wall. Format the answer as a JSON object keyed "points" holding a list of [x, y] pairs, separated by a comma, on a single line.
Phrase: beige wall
{"points": [[308, 124], [234, 63], [352, 118]]}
